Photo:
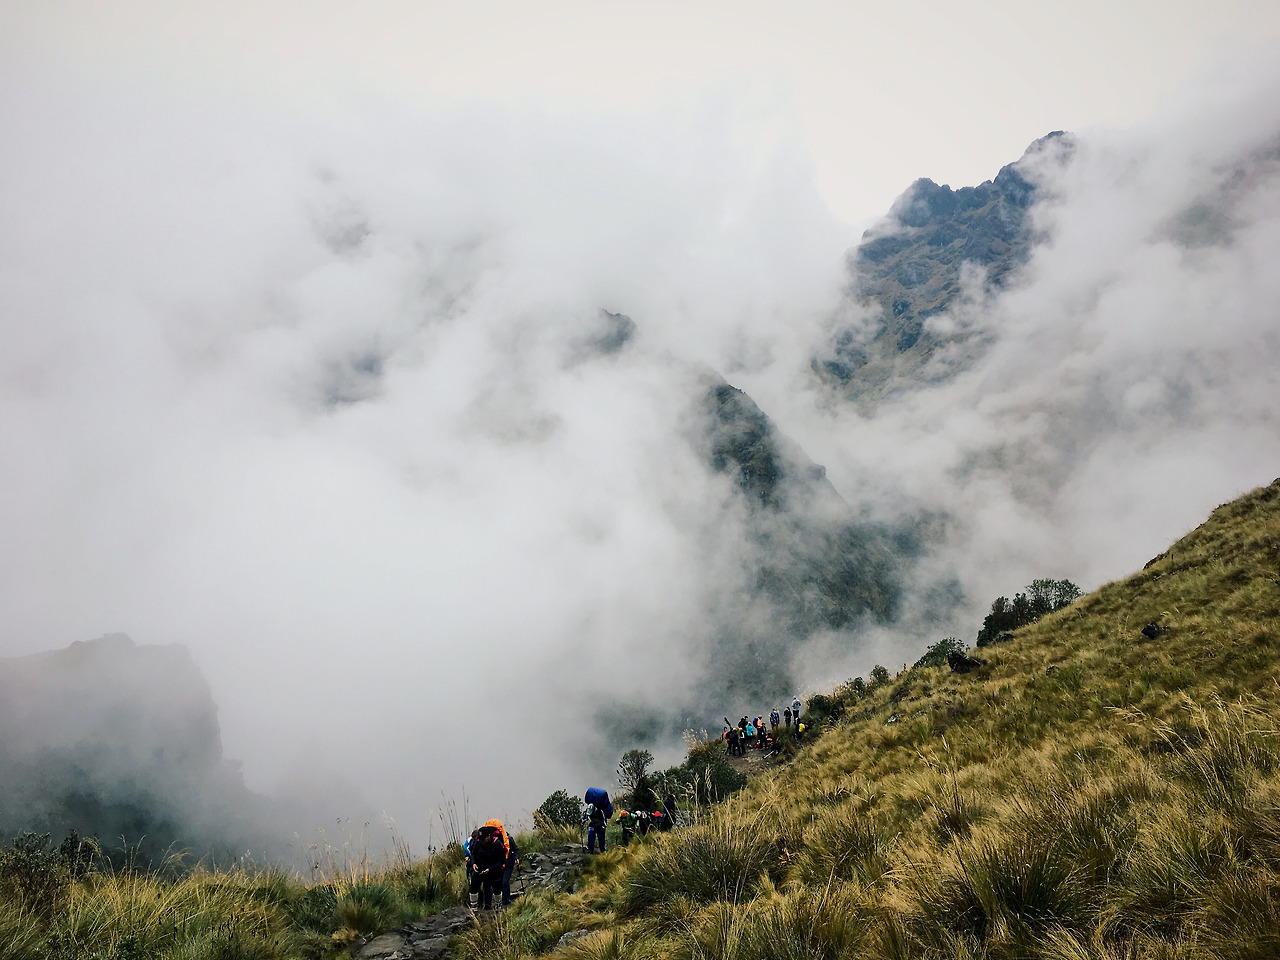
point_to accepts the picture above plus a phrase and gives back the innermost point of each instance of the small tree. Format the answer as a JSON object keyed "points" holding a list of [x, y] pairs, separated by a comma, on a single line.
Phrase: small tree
{"points": [[879, 677], [1042, 597], [558, 810], [633, 777], [936, 655]]}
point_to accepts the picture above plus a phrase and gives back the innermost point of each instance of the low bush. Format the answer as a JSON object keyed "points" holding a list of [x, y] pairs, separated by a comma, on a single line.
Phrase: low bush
{"points": [[558, 810], [996, 893]]}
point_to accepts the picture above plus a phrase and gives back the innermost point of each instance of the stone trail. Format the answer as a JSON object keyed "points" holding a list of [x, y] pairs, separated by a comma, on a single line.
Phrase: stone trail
{"points": [[428, 938]]}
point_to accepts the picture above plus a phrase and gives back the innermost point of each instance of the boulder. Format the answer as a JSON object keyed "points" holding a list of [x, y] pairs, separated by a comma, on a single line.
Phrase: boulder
{"points": [[571, 936], [432, 948], [1153, 630], [388, 946], [553, 869], [963, 663]]}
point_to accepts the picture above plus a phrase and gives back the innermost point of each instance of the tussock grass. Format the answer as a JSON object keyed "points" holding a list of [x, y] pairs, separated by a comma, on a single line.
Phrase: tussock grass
{"points": [[716, 860]]}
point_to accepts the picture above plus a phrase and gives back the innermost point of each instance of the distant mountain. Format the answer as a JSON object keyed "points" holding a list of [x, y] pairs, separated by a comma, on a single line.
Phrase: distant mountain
{"points": [[910, 268], [120, 742], [809, 566]]}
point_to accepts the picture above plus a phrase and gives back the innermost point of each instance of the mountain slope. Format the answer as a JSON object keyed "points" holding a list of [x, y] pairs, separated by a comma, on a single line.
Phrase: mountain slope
{"points": [[913, 267], [1090, 792], [120, 742], [810, 564], [805, 566]]}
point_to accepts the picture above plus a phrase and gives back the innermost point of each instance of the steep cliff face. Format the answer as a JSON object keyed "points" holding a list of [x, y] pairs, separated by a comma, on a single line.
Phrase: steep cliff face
{"points": [[811, 563], [935, 245], [121, 742]]}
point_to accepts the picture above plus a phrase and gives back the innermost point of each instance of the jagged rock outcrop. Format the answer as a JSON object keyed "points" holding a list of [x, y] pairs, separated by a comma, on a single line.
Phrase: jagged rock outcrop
{"points": [[911, 268], [117, 740], [962, 663]]}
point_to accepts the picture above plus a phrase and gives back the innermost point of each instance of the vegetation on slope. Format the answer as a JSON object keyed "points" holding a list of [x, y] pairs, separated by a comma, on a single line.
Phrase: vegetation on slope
{"points": [[1090, 792]]}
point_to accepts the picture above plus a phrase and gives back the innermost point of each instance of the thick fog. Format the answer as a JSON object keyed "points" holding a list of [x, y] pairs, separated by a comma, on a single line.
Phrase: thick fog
{"points": [[332, 401]]}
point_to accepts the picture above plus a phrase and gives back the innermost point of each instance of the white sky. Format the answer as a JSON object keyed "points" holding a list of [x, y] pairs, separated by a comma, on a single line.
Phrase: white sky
{"points": [[881, 92]]}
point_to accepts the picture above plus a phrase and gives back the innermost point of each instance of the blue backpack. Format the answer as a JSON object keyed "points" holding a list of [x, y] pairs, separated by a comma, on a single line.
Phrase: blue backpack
{"points": [[599, 798]]}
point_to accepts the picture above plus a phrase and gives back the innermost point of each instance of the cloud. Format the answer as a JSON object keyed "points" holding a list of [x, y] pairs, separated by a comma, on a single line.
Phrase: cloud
{"points": [[312, 398], [318, 399]]}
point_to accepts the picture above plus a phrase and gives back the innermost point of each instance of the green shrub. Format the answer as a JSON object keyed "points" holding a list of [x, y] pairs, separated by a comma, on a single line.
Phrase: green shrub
{"points": [[1042, 597], [1016, 889], [953, 814], [315, 909], [558, 810], [936, 655], [34, 869]]}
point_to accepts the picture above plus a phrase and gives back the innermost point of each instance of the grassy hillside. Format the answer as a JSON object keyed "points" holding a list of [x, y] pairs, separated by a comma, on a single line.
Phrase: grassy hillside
{"points": [[1089, 793]]}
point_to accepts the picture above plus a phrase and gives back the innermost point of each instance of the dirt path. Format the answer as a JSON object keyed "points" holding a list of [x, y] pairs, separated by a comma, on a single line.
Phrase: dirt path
{"points": [[754, 763]]}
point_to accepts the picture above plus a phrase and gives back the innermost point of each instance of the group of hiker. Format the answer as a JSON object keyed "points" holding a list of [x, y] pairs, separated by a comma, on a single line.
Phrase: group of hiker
{"points": [[600, 811], [491, 854], [752, 732]]}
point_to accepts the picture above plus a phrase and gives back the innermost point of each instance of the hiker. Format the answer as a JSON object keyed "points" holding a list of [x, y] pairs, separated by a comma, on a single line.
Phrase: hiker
{"points": [[796, 708], [490, 850], [735, 742], [509, 864], [466, 855], [786, 715], [774, 719], [800, 728], [660, 820], [642, 823], [628, 822], [750, 732], [599, 810], [596, 822], [669, 804]]}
